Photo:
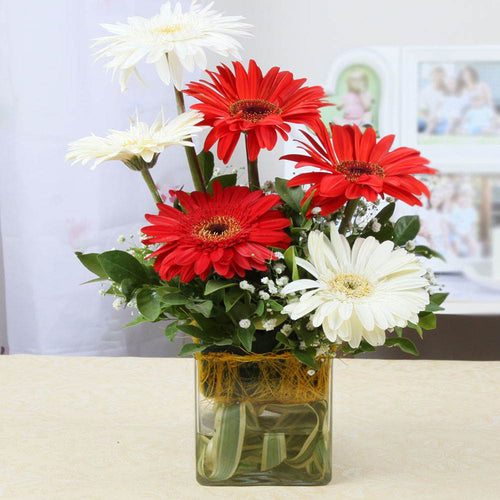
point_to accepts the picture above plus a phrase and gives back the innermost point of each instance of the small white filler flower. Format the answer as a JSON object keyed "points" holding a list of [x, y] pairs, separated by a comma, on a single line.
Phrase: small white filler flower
{"points": [[140, 142], [360, 292], [245, 323], [173, 41]]}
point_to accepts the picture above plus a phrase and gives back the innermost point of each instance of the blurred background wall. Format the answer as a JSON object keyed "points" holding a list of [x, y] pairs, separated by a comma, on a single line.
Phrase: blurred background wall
{"points": [[51, 92]]}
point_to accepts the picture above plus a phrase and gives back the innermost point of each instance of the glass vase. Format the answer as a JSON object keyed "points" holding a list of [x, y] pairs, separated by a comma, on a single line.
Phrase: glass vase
{"points": [[262, 419]]}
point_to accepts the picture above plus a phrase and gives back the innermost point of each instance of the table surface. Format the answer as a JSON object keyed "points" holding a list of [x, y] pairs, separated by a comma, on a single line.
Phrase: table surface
{"points": [[123, 428]]}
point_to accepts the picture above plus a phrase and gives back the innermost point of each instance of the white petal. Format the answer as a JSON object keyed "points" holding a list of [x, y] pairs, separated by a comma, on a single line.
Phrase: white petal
{"points": [[163, 69], [295, 286], [304, 264]]}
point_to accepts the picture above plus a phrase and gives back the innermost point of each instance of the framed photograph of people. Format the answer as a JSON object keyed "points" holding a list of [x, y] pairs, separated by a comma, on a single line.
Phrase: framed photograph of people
{"points": [[451, 106]]}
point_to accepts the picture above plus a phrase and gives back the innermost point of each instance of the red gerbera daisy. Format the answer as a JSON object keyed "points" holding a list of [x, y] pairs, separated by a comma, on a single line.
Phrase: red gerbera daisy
{"points": [[355, 164], [260, 106], [228, 232]]}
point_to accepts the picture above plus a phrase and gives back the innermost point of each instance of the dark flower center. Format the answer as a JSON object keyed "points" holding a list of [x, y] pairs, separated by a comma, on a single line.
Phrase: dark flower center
{"points": [[253, 110], [354, 169], [217, 228]]}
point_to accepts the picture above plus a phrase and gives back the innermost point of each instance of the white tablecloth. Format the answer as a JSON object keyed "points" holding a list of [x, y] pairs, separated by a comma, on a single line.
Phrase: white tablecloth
{"points": [[123, 428]]}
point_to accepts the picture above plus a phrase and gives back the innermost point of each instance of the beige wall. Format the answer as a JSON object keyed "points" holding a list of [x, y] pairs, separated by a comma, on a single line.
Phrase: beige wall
{"points": [[305, 37]]}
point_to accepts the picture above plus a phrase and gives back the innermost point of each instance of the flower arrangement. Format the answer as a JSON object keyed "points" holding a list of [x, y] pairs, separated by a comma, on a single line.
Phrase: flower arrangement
{"points": [[299, 270]]}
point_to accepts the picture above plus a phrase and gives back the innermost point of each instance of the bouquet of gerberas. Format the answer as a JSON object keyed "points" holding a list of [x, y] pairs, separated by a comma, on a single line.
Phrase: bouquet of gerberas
{"points": [[270, 283]]}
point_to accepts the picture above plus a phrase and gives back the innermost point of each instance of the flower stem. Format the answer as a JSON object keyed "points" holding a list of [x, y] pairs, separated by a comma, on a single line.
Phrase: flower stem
{"points": [[146, 175], [194, 165], [348, 213], [253, 171]]}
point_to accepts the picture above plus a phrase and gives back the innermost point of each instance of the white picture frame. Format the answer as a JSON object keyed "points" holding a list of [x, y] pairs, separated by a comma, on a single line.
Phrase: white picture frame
{"points": [[449, 158]]}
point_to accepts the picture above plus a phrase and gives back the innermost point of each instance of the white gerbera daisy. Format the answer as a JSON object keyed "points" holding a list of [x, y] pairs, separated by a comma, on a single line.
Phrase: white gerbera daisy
{"points": [[360, 292], [172, 40], [140, 143]]}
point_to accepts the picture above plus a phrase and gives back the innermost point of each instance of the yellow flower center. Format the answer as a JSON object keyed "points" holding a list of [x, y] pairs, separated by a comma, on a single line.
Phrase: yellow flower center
{"points": [[352, 286], [220, 227], [253, 110], [170, 28], [354, 169]]}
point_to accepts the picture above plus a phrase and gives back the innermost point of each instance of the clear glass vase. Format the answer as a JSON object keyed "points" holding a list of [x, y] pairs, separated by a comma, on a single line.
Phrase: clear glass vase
{"points": [[262, 420]]}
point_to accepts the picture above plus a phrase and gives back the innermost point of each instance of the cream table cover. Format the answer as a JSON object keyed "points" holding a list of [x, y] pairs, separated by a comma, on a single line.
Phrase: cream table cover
{"points": [[123, 428]]}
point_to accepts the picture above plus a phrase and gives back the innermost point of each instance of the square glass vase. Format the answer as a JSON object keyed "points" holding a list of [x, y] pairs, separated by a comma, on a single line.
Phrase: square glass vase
{"points": [[262, 419]]}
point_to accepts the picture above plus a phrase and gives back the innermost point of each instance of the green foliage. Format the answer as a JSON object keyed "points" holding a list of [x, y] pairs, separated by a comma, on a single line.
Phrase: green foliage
{"points": [[292, 196], [226, 180], [189, 349], [406, 229], [119, 265], [91, 262], [385, 214], [171, 330], [427, 320], [206, 162], [246, 337], [148, 304], [214, 285], [307, 356], [406, 345], [290, 255], [427, 252]]}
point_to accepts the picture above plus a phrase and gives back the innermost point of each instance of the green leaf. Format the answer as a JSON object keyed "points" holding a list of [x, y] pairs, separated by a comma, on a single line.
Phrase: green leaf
{"points": [[308, 336], [127, 287], [166, 290], [364, 346], [261, 307], [305, 206], [192, 330], [231, 297], [226, 341], [175, 299], [406, 345], [119, 265], [226, 180], [95, 280], [290, 255], [406, 229], [246, 337], [91, 262], [275, 306], [220, 456], [148, 304], [427, 252], [418, 328], [307, 356], [204, 308], [137, 321], [188, 349], [206, 162], [286, 341], [386, 213], [171, 330], [438, 298], [214, 285], [427, 320], [273, 450], [292, 196], [431, 307]]}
